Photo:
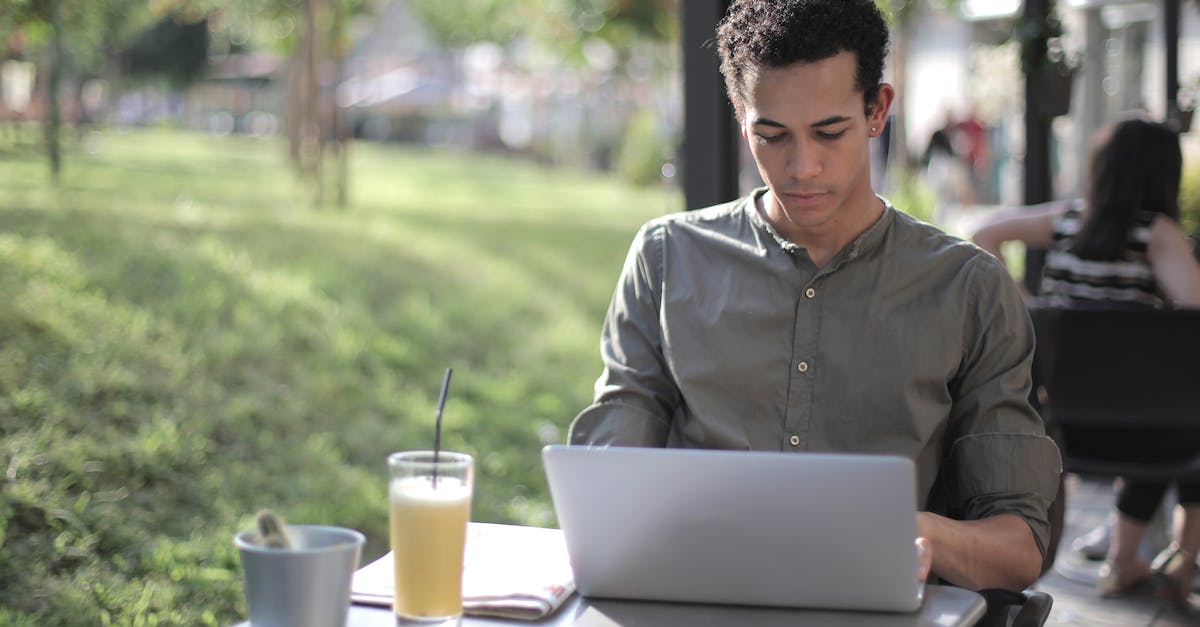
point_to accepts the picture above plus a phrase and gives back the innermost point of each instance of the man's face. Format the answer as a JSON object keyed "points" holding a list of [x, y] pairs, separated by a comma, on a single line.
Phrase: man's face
{"points": [[808, 132]]}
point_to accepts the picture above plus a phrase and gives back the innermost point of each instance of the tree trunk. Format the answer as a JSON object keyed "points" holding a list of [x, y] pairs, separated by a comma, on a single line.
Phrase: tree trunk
{"points": [[52, 116], [110, 105], [293, 116], [337, 124], [310, 126]]}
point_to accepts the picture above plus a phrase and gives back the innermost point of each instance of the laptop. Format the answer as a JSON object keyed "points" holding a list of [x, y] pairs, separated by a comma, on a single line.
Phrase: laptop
{"points": [[811, 530]]}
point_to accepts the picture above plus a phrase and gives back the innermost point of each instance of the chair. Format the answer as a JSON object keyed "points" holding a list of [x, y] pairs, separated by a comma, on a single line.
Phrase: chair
{"points": [[1104, 369], [1111, 369], [1015, 609]]}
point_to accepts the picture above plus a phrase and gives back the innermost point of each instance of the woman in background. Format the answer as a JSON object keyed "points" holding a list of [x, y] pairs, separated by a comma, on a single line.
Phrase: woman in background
{"points": [[1121, 246]]}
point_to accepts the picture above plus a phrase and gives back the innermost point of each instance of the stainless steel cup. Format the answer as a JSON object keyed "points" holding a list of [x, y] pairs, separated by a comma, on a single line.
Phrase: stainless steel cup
{"points": [[307, 585]]}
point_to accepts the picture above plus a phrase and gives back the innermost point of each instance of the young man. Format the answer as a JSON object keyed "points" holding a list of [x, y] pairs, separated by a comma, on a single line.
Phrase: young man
{"points": [[813, 316]]}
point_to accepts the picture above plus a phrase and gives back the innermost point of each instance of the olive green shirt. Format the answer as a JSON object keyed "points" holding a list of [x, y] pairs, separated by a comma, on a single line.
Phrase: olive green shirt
{"points": [[722, 334]]}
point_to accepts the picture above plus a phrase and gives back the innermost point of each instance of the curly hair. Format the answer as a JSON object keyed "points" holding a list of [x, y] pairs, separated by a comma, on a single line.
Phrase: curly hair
{"points": [[776, 33]]}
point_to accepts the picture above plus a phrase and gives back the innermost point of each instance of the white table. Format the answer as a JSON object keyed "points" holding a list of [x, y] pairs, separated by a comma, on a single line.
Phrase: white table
{"points": [[944, 606]]}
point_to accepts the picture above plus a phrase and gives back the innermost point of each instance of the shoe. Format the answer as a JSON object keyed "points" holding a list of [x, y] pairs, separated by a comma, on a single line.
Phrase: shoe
{"points": [[1175, 569], [1115, 582], [1093, 545]]}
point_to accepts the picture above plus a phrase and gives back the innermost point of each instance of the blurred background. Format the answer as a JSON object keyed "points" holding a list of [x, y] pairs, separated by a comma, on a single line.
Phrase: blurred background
{"points": [[593, 84], [241, 240]]}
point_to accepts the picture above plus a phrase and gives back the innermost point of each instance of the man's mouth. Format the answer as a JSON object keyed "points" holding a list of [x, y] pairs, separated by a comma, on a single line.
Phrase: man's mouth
{"points": [[804, 198]]}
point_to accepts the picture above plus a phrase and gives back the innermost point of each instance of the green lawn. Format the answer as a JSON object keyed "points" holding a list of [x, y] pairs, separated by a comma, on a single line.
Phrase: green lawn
{"points": [[184, 340]]}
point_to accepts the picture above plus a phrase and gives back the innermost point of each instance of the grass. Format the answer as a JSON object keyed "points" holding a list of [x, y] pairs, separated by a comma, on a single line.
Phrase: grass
{"points": [[184, 340]]}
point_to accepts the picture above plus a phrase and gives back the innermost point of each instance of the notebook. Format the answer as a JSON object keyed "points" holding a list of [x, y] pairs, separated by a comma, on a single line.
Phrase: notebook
{"points": [[830, 531]]}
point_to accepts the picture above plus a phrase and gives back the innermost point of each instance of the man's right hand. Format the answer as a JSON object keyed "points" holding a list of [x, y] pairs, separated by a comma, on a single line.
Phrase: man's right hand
{"points": [[924, 558]]}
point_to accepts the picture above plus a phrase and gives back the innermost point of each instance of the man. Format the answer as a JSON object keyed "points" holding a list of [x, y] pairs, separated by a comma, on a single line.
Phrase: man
{"points": [[813, 316]]}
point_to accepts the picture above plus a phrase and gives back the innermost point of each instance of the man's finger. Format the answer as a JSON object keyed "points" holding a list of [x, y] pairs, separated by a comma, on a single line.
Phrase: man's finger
{"points": [[924, 558]]}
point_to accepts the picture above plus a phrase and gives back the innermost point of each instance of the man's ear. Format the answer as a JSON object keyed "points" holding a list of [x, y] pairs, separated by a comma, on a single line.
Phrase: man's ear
{"points": [[879, 109]]}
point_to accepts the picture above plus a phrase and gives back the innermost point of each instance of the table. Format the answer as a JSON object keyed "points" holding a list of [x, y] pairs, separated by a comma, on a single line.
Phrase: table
{"points": [[944, 606]]}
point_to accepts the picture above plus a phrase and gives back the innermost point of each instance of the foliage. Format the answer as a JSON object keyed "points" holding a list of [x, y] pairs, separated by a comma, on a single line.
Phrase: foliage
{"points": [[901, 11], [1041, 43], [565, 25], [647, 145], [272, 25], [1189, 199], [175, 48], [915, 197], [1189, 94], [97, 32], [458, 23], [93, 29], [184, 341]]}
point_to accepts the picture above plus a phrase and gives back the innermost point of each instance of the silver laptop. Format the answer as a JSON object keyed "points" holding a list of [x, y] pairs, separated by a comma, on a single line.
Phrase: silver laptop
{"points": [[833, 531]]}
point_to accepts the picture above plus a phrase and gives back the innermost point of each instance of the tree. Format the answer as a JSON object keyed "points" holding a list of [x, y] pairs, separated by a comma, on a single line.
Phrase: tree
{"points": [[311, 33], [175, 48], [565, 25], [619, 50], [69, 38]]}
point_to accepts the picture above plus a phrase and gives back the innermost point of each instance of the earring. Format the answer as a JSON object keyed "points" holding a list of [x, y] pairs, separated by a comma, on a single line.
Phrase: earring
{"points": [[872, 129]]}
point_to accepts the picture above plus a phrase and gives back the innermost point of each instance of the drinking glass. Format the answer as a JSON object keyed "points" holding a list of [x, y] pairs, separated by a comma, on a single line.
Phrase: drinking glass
{"points": [[430, 498]]}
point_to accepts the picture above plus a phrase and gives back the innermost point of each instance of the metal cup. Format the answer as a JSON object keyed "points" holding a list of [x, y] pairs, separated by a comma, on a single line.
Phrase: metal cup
{"points": [[307, 585]]}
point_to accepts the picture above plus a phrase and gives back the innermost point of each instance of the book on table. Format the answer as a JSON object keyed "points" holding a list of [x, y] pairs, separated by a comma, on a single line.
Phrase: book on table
{"points": [[509, 571]]}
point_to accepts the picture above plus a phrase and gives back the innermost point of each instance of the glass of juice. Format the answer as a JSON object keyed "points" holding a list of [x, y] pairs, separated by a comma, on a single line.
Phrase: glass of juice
{"points": [[430, 507]]}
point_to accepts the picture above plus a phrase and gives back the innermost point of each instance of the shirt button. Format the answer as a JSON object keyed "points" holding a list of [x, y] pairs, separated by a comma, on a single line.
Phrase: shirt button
{"points": [[802, 366], [795, 440], [810, 292]]}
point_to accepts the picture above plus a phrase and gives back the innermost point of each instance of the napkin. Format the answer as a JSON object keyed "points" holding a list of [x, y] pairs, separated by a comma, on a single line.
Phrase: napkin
{"points": [[509, 571]]}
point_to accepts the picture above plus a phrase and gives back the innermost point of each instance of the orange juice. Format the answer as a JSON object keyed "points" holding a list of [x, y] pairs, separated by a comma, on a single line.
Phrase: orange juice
{"points": [[428, 533]]}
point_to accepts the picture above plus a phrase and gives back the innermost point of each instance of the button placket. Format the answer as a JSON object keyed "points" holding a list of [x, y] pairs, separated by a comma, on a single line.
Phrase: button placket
{"points": [[797, 422]]}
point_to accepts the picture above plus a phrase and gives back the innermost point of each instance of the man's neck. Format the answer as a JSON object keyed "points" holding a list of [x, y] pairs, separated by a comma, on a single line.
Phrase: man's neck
{"points": [[823, 241]]}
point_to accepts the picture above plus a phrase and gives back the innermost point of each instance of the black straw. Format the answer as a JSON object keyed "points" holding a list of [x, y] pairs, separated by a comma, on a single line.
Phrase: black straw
{"points": [[437, 430]]}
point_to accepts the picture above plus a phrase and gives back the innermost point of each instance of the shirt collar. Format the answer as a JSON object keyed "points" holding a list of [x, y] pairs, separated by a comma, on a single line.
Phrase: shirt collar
{"points": [[759, 220], [866, 241]]}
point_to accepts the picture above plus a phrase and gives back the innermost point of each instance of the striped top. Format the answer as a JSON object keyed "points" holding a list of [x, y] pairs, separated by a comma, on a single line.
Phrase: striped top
{"points": [[1067, 279]]}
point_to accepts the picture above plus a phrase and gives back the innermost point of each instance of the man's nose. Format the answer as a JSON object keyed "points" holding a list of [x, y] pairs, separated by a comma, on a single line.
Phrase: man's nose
{"points": [[805, 160]]}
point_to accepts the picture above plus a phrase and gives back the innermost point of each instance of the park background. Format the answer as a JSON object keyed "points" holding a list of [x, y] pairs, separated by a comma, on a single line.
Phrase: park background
{"points": [[240, 242]]}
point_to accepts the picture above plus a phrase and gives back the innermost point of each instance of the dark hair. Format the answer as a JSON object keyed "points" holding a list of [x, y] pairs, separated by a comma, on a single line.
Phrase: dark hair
{"points": [[777, 33], [1135, 168]]}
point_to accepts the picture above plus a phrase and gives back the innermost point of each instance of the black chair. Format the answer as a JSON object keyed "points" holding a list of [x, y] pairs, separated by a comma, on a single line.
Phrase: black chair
{"points": [[1106, 370], [1015, 609]]}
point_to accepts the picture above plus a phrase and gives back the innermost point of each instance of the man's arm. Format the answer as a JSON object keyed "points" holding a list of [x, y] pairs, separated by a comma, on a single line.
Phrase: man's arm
{"points": [[635, 395], [1001, 468], [995, 552]]}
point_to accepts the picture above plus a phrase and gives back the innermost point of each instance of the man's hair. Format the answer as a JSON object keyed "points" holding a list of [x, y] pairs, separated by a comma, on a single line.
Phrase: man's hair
{"points": [[776, 33], [1136, 167]]}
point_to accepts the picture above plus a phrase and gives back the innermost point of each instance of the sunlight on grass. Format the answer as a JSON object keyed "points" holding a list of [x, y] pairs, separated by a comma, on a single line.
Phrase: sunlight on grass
{"points": [[187, 340]]}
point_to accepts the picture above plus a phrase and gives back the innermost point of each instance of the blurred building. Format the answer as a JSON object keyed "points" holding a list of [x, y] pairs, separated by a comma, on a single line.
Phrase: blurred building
{"points": [[957, 64], [241, 93], [399, 85]]}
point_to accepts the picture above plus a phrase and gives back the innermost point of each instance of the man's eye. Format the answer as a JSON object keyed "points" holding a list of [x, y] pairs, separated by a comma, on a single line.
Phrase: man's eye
{"points": [[770, 139], [831, 135]]}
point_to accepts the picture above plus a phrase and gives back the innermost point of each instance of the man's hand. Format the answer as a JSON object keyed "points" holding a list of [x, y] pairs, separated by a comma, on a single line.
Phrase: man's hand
{"points": [[924, 558], [995, 552]]}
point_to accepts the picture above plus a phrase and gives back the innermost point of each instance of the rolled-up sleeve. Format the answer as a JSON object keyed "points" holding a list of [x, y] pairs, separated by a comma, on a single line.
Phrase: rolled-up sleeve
{"points": [[635, 394], [1002, 460]]}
